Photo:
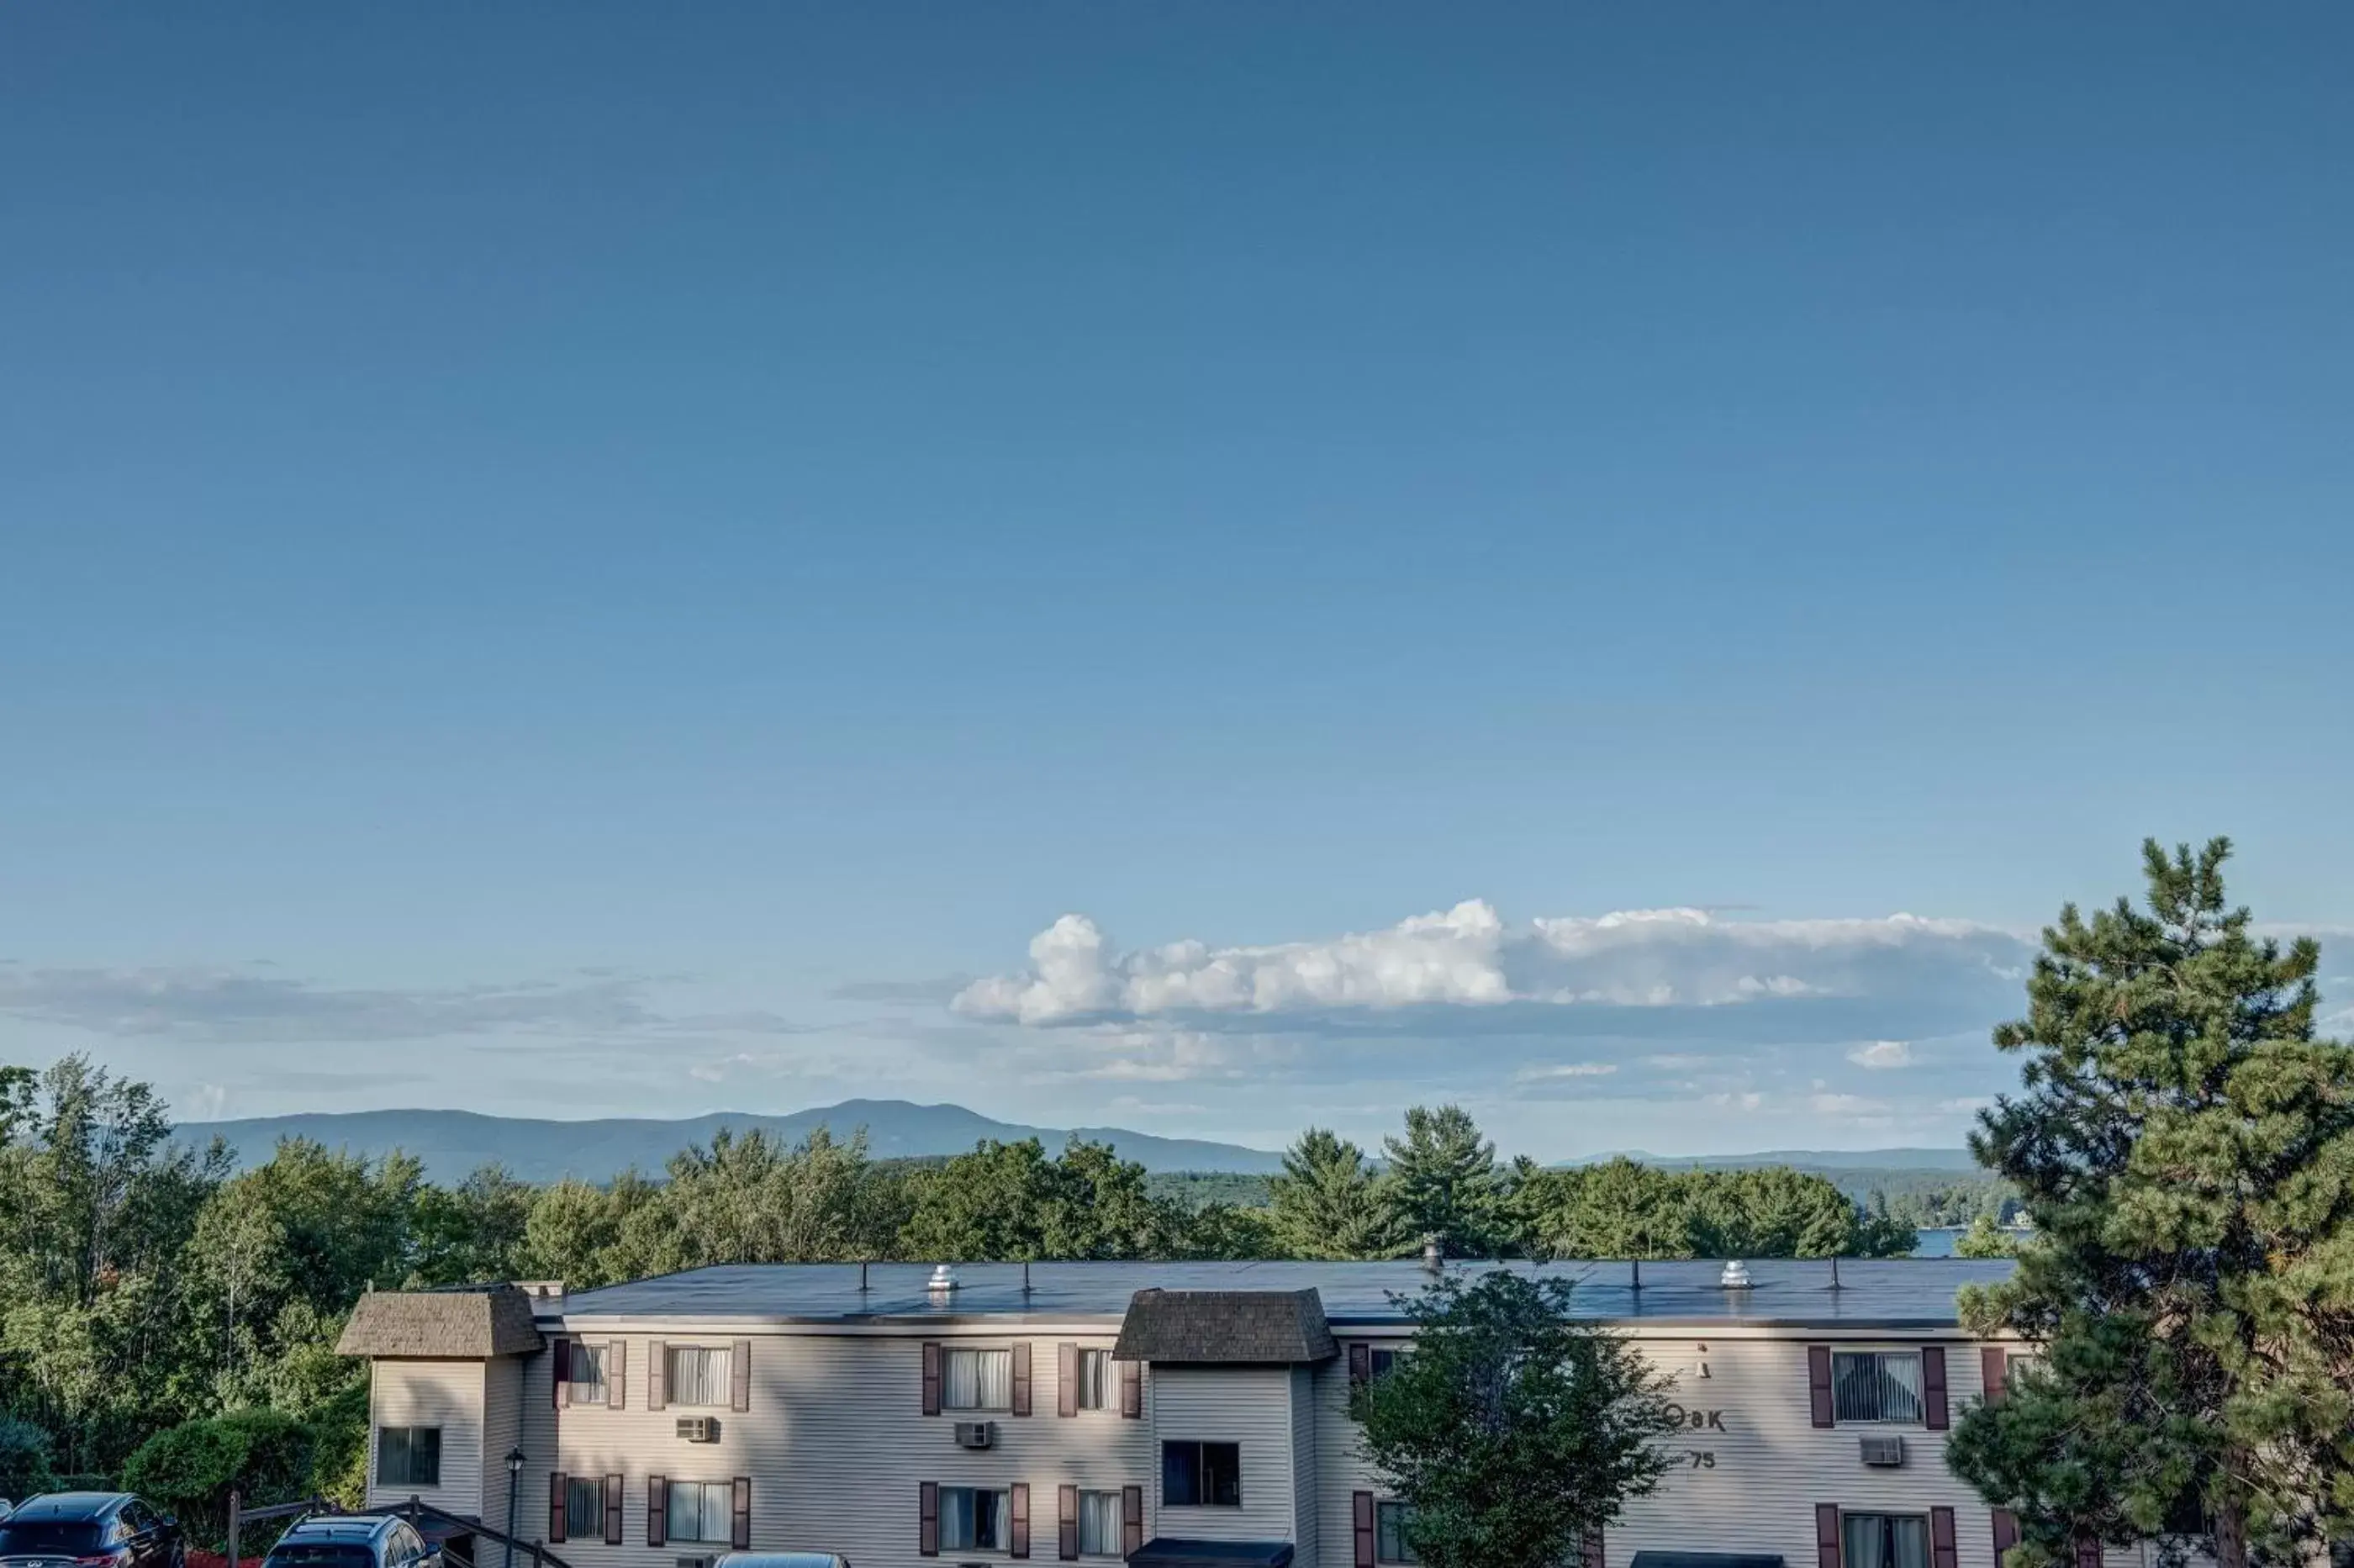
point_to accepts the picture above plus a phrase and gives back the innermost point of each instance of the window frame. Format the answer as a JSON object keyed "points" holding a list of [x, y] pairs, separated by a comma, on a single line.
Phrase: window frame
{"points": [[948, 1359], [1918, 1419], [408, 1477], [1003, 1545], [1114, 1547], [671, 1384], [1107, 1380], [1928, 1533], [1400, 1510], [594, 1531], [675, 1486], [1204, 1493]]}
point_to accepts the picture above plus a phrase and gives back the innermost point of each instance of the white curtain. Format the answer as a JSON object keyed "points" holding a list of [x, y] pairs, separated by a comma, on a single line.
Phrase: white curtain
{"points": [[1900, 1388], [979, 1380], [971, 1519], [1885, 1540], [1099, 1524], [698, 1510], [697, 1374], [1092, 1367], [1909, 1535]]}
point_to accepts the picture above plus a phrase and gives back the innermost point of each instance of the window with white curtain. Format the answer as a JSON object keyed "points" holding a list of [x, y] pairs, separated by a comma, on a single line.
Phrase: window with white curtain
{"points": [[976, 1379], [972, 1518], [695, 1374], [1099, 1524], [1876, 1385], [584, 1508], [699, 1510], [1095, 1380], [1885, 1540], [588, 1375]]}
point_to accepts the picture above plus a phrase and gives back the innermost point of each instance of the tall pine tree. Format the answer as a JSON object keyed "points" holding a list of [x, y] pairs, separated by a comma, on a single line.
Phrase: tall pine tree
{"points": [[1330, 1202], [2185, 1145], [1448, 1183]]}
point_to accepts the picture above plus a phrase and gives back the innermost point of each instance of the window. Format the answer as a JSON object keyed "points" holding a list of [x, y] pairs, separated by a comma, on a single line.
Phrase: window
{"points": [[1390, 1544], [588, 1375], [409, 1456], [584, 1508], [1885, 1540], [1099, 1524], [1379, 1362], [699, 1510], [695, 1374], [1876, 1385], [976, 1379], [1201, 1475], [971, 1519], [1095, 1380]]}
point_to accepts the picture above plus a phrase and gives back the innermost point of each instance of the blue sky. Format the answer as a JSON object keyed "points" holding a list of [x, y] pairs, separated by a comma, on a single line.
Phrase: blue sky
{"points": [[594, 560]]}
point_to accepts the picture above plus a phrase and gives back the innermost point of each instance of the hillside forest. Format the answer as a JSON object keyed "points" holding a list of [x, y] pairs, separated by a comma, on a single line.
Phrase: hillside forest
{"points": [[169, 1322]]}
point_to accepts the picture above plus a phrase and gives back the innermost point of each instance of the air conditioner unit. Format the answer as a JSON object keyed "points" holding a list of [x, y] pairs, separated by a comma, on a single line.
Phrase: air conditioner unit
{"points": [[698, 1429], [975, 1433], [1884, 1453]]}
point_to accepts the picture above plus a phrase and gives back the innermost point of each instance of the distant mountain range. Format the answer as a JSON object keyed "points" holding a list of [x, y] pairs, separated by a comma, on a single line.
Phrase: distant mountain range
{"points": [[452, 1143]]}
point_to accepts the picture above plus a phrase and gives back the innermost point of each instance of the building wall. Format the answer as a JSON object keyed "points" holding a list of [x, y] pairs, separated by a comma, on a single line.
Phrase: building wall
{"points": [[1249, 1407], [836, 1443], [1305, 1478], [501, 1431], [448, 1394]]}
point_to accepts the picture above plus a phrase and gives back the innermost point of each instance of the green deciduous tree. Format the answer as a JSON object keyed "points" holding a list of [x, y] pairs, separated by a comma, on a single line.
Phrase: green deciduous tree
{"points": [[1009, 1201], [2185, 1146], [1447, 1182], [1330, 1202], [1513, 1429]]}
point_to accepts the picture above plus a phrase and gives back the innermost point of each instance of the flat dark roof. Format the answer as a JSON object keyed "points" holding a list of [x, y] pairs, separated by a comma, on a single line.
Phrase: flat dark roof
{"points": [[1887, 1292]]}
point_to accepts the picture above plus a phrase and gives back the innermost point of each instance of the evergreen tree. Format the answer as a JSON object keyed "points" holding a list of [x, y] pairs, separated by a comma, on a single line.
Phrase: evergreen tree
{"points": [[2185, 1147], [1331, 1205], [1447, 1182]]}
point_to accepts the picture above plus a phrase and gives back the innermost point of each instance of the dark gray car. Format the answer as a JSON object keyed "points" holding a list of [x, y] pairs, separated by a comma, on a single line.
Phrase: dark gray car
{"points": [[352, 1541], [89, 1530]]}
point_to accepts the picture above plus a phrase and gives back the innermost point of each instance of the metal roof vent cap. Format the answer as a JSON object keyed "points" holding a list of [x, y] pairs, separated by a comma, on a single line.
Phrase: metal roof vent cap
{"points": [[1735, 1276], [1433, 1259], [943, 1278]]}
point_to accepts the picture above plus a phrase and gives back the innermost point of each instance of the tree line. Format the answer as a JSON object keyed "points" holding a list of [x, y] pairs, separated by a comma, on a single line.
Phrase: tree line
{"points": [[143, 1283]]}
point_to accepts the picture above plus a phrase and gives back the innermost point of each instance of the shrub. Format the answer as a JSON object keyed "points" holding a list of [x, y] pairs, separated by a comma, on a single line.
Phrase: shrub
{"points": [[191, 1468], [25, 1469]]}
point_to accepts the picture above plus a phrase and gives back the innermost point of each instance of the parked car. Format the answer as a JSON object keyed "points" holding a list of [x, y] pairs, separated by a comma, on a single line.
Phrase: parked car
{"points": [[89, 1530], [352, 1541]]}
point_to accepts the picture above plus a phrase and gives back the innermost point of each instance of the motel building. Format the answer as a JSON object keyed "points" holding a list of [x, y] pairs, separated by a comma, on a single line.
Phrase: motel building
{"points": [[1166, 1415]]}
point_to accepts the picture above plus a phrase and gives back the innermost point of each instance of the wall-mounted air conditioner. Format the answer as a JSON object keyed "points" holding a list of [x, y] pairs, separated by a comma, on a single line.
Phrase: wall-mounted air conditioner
{"points": [[975, 1433], [1884, 1453], [698, 1429]]}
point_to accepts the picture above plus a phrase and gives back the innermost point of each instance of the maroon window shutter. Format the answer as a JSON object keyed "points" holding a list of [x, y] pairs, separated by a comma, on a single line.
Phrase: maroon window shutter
{"points": [[1933, 1387], [562, 1391], [739, 1376], [739, 1529], [1943, 1553], [1827, 1534], [2006, 1534], [1022, 1377], [1132, 1520], [931, 1380], [2088, 1552], [1017, 1501], [657, 1510], [1818, 1384], [612, 1511], [1066, 1380], [657, 1368], [1067, 1518], [1361, 1364], [617, 1375], [1994, 1371], [1361, 1512], [1591, 1543], [928, 1513], [556, 1507], [1131, 1390]]}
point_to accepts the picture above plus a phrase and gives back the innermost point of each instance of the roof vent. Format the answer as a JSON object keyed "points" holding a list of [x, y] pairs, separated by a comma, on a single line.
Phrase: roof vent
{"points": [[1432, 1258], [1735, 1276], [943, 1278]]}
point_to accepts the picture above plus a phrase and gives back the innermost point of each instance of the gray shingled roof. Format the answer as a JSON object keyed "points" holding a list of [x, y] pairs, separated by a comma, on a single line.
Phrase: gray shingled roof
{"points": [[1229, 1327], [472, 1324]]}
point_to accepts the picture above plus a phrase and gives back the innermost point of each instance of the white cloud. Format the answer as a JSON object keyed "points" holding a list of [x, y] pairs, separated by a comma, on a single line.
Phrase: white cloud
{"points": [[1539, 1072], [1882, 1054], [1467, 957]]}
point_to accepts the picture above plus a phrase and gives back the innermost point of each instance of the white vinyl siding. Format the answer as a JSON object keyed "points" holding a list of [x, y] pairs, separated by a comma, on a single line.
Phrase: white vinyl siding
{"points": [[695, 1376], [698, 1512], [448, 1396], [1249, 1407]]}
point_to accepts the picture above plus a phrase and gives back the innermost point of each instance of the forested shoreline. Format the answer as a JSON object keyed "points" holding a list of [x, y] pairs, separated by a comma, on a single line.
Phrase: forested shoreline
{"points": [[144, 1284]]}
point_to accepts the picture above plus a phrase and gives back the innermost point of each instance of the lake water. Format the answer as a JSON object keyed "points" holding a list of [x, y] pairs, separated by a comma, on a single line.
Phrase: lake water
{"points": [[1933, 1244]]}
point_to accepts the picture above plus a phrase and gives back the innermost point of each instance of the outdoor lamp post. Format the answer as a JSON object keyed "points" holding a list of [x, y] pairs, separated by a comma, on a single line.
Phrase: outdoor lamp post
{"points": [[514, 1476]]}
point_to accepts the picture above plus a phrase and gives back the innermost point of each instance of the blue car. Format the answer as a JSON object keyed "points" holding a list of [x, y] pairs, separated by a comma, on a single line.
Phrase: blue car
{"points": [[352, 1541]]}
